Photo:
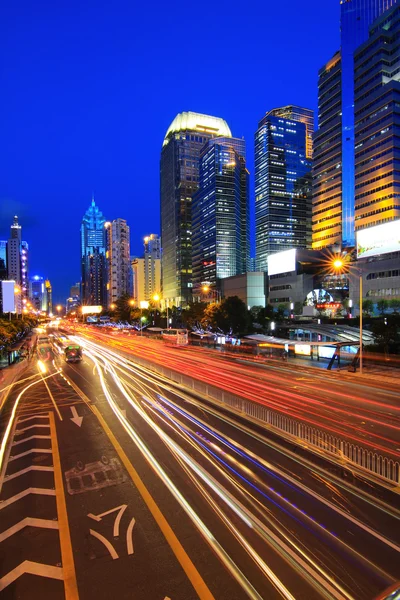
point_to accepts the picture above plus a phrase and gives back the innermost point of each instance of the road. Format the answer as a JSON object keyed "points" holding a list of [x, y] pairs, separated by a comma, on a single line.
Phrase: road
{"points": [[167, 496], [366, 413]]}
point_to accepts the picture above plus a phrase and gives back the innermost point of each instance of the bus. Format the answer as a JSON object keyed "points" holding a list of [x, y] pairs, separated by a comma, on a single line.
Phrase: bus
{"points": [[73, 353], [178, 337]]}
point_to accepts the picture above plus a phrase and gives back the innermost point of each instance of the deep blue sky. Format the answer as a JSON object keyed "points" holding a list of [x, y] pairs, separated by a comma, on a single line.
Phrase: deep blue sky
{"points": [[88, 90]]}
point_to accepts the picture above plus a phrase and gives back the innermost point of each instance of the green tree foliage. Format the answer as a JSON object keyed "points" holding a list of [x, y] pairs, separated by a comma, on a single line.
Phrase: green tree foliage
{"points": [[368, 306], [382, 305], [395, 304], [123, 308], [298, 308], [194, 314], [229, 315], [280, 312], [386, 333]]}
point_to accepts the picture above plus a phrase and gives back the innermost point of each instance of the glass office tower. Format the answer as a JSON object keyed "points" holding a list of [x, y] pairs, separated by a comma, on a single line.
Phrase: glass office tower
{"points": [[333, 169], [179, 177], [377, 123], [220, 211], [282, 202], [93, 257], [304, 115], [119, 280]]}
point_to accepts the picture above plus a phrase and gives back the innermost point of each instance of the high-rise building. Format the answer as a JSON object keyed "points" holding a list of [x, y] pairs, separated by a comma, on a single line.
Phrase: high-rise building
{"points": [[39, 294], [75, 290], [147, 270], [333, 166], [17, 262], [377, 123], [3, 260], [179, 177], [93, 257], [304, 115], [220, 213], [283, 204], [118, 260], [49, 296]]}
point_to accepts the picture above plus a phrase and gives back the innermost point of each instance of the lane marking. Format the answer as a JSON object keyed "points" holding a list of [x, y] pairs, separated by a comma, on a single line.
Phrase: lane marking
{"points": [[121, 509], [27, 470], [52, 398], [37, 491], [32, 437], [28, 522], [33, 568], [67, 557], [32, 417], [31, 451], [19, 431], [106, 543], [129, 538], [192, 573]]}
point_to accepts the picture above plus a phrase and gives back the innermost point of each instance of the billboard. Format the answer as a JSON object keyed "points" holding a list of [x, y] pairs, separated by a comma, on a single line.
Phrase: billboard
{"points": [[378, 240], [282, 262], [91, 310], [7, 288]]}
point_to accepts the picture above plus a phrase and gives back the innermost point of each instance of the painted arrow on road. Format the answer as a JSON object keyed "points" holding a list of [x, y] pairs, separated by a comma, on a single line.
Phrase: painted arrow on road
{"points": [[75, 417]]}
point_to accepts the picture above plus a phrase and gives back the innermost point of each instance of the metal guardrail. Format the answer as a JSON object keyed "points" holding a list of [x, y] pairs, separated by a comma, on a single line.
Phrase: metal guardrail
{"points": [[336, 447]]}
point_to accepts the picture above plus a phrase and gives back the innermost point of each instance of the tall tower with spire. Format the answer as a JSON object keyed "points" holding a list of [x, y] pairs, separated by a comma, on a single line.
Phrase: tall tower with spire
{"points": [[17, 262], [93, 257]]}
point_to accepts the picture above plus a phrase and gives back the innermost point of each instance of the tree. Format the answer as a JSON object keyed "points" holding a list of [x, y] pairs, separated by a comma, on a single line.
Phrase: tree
{"points": [[395, 304], [368, 306], [123, 308], [298, 308], [229, 315], [193, 315], [280, 312], [382, 306]]}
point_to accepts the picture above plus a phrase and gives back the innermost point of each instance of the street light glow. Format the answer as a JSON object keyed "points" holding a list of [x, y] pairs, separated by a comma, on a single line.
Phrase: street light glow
{"points": [[156, 297], [338, 263]]}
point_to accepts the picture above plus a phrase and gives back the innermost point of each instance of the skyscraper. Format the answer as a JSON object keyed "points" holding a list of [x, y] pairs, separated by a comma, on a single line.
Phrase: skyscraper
{"points": [[282, 200], [304, 115], [220, 210], [333, 167], [93, 257], [377, 121], [147, 270], [40, 293], [3, 259], [17, 262], [179, 176], [118, 260]]}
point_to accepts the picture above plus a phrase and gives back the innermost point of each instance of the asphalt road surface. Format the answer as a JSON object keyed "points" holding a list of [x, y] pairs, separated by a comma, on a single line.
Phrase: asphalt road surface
{"points": [[114, 482]]}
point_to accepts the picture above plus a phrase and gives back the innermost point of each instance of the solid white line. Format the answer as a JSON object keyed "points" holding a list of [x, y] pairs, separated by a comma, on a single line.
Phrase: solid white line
{"points": [[31, 451], [33, 568], [37, 491], [107, 544], [23, 471], [129, 539], [32, 437], [28, 522]]}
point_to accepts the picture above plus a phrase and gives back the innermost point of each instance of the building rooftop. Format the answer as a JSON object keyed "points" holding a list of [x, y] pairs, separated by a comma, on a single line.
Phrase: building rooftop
{"points": [[191, 121]]}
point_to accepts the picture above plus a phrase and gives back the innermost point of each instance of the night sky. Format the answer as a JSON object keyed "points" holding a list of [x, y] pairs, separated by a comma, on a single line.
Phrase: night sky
{"points": [[88, 90]]}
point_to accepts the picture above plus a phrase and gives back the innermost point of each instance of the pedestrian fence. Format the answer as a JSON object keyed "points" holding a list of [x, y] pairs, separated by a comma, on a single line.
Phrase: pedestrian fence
{"points": [[335, 447]]}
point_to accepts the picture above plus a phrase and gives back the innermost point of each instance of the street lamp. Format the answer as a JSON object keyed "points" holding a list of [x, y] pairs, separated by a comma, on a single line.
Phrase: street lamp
{"points": [[338, 264], [58, 308], [113, 306], [207, 290], [156, 298], [143, 304]]}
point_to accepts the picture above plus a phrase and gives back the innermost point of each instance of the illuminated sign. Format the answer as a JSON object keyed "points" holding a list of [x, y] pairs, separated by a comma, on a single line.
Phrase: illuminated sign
{"points": [[7, 288], [304, 349], [91, 310], [378, 240], [282, 262], [329, 305]]}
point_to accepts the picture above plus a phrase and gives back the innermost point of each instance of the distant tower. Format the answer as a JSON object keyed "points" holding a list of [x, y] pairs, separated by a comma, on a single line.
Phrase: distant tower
{"points": [[17, 262], [147, 270], [179, 176], [93, 257], [118, 260]]}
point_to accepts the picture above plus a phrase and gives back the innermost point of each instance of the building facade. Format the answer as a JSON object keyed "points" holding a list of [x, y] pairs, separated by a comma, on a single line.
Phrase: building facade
{"points": [[333, 168], [147, 270], [179, 176], [40, 294], [118, 260], [220, 214], [377, 124], [93, 257], [17, 263], [303, 115], [282, 202]]}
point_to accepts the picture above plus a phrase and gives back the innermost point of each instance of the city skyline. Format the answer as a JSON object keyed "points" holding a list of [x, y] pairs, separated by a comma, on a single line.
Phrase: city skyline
{"points": [[98, 140]]}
